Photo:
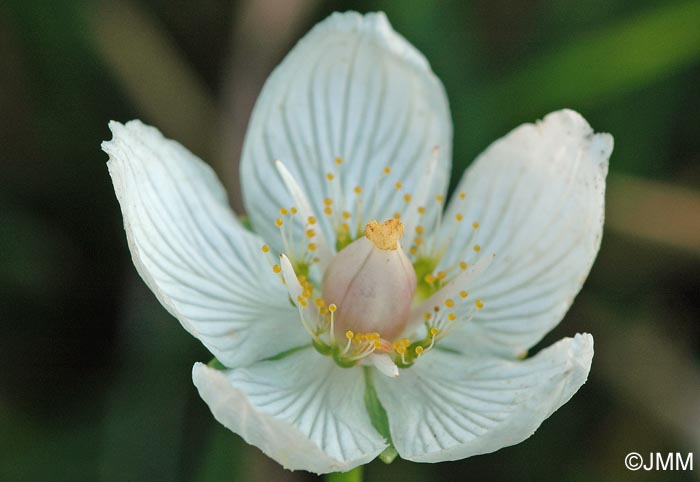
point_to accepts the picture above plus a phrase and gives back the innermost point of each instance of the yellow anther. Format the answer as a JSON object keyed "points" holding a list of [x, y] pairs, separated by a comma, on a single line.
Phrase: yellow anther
{"points": [[407, 197], [449, 302], [373, 336], [441, 275], [339, 160], [283, 211], [421, 210], [434, 331], [427, 316], [328, 210], [398, 185], [475, 225], [310, 233], [312, 247], [357, 190], [359, 337], [311, 220], [462, 195], [279, 222], [452, 317], [405, 342], [293, 211], [330, 176], [377, 344], [419, 229], [332, 308], [277, 268], [349, 334], [419, 350], [477, 248], [328, 201], [439, 198], [265, 248], [387, 170], [463, 265], [429, 278], [463, 294], [400, 350], [479, 304], [303, 303], [459, 217], [300, 298], [397, 215]]}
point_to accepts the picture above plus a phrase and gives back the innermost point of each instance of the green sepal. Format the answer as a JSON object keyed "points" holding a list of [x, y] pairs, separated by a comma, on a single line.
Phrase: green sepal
{"points": [[378, 417], [216, 364], [245, 221]]}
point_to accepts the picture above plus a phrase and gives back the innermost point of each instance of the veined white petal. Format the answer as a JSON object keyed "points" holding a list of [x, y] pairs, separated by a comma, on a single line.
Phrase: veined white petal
{"points": [[303, 411], [205, 268], [354, 89], [448, 406], [538, 194]]}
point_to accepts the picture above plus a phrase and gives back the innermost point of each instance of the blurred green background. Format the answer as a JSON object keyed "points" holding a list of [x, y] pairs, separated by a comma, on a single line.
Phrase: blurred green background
{"points": [[95, 380]]}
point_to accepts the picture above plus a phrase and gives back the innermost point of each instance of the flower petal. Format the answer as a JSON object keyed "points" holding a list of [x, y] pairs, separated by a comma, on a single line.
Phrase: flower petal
{"points": [[205, 268], [538, 195], [303, 411], [448, 406], [354, 89]]}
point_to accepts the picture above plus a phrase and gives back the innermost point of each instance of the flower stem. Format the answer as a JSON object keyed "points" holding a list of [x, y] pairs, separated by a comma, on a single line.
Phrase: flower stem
{"points": [[355, 475]]}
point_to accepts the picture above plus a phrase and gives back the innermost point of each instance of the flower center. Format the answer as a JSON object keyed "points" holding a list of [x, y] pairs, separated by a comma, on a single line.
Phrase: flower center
{"points": [[358, 293], [372, 282]]}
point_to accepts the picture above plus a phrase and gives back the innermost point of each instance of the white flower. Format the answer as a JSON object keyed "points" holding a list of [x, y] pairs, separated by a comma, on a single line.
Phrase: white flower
{"points": [[444, 302]]}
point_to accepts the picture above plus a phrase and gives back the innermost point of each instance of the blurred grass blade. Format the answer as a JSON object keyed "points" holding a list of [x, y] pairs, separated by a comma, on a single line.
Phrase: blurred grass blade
{"points": [[615, 59], [654, 211], [154, 73]]}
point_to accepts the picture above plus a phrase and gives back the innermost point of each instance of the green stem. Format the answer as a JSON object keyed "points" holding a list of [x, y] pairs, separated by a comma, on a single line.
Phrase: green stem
{"points": [[355, 475]]}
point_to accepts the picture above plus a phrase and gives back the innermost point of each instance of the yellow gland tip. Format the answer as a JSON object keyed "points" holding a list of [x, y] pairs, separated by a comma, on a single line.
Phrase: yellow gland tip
{"points": [[419, 350], [421, 210], [398, 185], [462, 195], [463, 294], [407, 197], [429, 278], [477, 248], [427, 316], [357, 190], [463, 265], [332, 308], [387, 170], [265, 248], [349, 334], [475, 224], [283, 211], [339, 160], [277, 268], [452, 317], [330, 176], [449, 302], [293, 210], [311, 220], [386, 235], [459, 217], [479, 304], [279, 222]]}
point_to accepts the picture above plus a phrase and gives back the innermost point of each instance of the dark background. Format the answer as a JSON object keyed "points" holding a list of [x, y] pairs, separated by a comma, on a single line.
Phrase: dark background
{"points": [[95, 376]]}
